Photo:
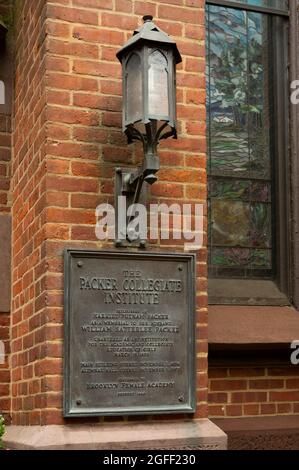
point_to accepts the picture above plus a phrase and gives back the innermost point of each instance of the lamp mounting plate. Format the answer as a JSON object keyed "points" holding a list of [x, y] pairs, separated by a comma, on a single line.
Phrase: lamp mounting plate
{"points": [[126, 181]]}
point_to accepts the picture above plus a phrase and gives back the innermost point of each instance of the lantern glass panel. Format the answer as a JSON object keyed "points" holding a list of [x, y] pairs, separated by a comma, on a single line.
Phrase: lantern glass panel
{"points": [[134, 105], [158, 99]]}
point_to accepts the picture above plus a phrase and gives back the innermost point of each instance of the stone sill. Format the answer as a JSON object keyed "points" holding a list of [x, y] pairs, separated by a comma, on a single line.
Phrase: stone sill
{"points": [[249, 326], [245, 292]]}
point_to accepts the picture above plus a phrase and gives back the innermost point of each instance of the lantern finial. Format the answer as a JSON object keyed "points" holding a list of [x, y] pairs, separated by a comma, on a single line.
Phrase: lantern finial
{"points": [[147, 18]]}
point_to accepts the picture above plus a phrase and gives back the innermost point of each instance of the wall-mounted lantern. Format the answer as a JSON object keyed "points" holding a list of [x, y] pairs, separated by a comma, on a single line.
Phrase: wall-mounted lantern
{"points": [[148, 61]]}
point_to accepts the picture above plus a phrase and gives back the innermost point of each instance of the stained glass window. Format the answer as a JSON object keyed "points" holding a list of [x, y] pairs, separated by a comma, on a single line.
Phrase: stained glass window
{"points": [[240, 148]]}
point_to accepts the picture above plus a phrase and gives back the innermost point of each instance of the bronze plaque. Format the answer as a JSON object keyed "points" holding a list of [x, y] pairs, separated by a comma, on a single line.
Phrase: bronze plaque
{"points": [[129, 333]]}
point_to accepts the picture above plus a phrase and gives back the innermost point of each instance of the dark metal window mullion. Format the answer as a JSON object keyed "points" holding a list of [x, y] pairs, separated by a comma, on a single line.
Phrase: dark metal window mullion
{"points": [[248, 131], [209, 147]]}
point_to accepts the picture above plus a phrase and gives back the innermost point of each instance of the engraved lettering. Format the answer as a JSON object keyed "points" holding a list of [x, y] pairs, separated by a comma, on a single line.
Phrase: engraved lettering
{"points": [[96, 283]]}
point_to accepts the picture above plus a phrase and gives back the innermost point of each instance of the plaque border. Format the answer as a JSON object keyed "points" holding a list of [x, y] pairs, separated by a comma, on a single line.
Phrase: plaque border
{"points": [[190, 405]]}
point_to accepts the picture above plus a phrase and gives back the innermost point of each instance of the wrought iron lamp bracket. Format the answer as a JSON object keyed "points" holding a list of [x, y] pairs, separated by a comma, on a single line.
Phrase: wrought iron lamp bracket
{"points": [[130, 182]]}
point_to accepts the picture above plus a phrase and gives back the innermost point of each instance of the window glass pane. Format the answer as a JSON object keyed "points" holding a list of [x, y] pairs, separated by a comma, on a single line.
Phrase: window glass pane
{"points": [[133, 89], [158, 84], [239, 143]]}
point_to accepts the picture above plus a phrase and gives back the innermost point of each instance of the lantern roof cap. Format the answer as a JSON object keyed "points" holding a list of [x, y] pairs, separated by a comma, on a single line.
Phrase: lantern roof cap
{"points": [[149, 32]]}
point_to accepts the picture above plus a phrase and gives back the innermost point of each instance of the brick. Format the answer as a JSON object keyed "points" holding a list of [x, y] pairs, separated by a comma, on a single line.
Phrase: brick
{"points": [[266, 384], [72, 116], [111, 87], [56, 215], [227, 385], [108, 53], [70, 82], [180, 14], [194, 32], [116, 154], [196, 192], [292, 383], [57, 198], [48, 367], [112, 119], [58, 132], [167, 190], [85, 169], [284, 408], [98, 36], [247, 372], [96, 4], [56, 29], [73, 15], [151, 8], [86, 100], [194, 97], [195, 128], [251, 410], [124, 5], [283, 371], [58, 64], [218, 398], [194, 3], [249, 397], [296, 407], [66, 48], [55, 231], [268, 409], [74, 150], [51, 384], [100, 69], [59, 97], [88, 134], [234, 410], [83, 233], [88, 201], [72, 184], [284, 396], [180, 176], [58, 166], [216, 411], [217, 373], [114, 20]]}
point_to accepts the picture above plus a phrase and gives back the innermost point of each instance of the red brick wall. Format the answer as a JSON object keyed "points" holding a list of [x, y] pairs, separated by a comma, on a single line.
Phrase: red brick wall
{"points": [[65, 155], [5, 156], [253, 391], [28, 323], [5, 171], [4, 368], [6, 75]]}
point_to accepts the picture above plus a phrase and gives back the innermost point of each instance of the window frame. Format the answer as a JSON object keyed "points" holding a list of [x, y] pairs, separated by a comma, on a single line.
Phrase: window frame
{"points": [[255, 8], [283, 130], [294, 151]]}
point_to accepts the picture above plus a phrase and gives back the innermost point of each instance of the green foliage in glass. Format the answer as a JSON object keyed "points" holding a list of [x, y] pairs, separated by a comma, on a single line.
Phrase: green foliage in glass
{"points": [[238, 80], [2, 431]]}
